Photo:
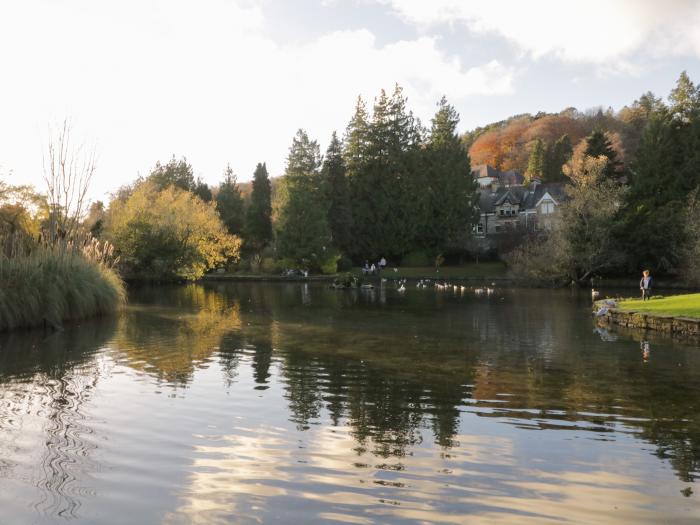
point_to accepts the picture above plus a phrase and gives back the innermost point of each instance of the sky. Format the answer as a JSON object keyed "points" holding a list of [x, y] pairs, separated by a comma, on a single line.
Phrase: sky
{"points": [[230, 81]]}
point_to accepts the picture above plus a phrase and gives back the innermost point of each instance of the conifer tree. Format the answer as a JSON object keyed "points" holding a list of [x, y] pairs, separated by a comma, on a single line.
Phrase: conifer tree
{"points": [[536, 162], [599, 144], [259, 214], [229, 203], [450, 190], [303, 232], [337, 195]]}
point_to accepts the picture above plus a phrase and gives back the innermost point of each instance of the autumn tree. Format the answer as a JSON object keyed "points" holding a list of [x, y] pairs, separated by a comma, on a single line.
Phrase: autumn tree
{"points": [[169, 234]]}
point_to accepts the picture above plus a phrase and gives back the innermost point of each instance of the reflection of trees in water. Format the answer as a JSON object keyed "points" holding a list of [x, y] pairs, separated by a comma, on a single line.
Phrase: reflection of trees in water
{"points": [[178, 330], [530, 359], [51, 380]]}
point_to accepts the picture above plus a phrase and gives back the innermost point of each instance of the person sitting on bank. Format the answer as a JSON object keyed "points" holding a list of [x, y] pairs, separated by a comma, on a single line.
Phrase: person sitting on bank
{"points": [[382, 263], [645, 285], [365, 268], [373, 269]]}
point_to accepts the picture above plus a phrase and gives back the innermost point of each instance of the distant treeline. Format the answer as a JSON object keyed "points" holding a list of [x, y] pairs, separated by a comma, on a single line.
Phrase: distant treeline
{"points": [[390, 186]]}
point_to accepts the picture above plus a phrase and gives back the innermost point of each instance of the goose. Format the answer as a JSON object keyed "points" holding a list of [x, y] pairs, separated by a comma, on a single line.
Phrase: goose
{"points": [[401, 288]]}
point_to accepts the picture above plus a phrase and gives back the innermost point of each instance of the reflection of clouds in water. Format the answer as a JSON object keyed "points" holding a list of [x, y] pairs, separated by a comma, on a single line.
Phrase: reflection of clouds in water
{"points": [[258, 476]]}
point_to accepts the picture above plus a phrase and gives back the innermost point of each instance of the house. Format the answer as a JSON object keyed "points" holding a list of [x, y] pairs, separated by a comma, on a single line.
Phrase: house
{"points": [[508, 205], [487, 176]]}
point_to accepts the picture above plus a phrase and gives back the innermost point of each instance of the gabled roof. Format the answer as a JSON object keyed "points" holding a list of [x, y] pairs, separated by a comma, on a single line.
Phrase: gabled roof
{"points": [[525, 196]]}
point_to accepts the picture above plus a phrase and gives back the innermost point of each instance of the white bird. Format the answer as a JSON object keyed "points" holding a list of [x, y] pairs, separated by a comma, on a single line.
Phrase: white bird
{"points": [[489, 291], [402, 288], [478, 291]]}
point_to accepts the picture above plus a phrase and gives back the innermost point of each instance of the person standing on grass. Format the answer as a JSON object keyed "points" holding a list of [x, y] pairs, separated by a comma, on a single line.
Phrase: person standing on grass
{"points": [[645, 285]]}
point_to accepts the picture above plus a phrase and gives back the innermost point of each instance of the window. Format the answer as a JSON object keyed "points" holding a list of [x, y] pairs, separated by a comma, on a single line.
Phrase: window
{"points": [[480, 229], [547, 207]]}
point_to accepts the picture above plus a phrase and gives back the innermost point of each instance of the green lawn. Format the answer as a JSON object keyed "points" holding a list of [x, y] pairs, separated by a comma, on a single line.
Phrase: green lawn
{"points": [[677, 305], [465, 271]]}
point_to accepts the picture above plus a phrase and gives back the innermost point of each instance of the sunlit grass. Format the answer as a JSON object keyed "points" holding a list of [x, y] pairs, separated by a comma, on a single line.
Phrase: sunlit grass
{"points": [[687, 305]]}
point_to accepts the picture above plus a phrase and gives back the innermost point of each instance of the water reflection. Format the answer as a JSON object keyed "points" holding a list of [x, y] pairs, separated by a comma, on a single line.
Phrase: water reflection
{"points": [[46, 382], [295, 403]]}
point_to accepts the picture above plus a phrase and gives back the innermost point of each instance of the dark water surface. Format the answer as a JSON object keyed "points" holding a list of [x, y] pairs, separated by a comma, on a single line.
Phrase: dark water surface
{"points": [[292, 403]]}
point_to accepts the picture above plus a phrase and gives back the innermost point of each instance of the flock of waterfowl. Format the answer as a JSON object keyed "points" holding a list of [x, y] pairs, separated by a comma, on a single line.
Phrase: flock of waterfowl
{"points": [[442, 286]]}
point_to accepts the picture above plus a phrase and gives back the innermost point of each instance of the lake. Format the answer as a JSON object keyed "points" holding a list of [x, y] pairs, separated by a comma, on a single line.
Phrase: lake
{"points": [[294, 403]]}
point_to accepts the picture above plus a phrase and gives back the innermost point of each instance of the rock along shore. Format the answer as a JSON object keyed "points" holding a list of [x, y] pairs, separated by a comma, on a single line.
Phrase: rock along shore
{"points": [[607, 313]]}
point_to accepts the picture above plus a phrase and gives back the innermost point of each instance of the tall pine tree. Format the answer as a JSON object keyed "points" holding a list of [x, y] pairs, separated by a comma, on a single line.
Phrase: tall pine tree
{"points": [[229, 203], [597, 144], [449, 187], [536, 163], [337, 195], [259, 214], [303, 232]]}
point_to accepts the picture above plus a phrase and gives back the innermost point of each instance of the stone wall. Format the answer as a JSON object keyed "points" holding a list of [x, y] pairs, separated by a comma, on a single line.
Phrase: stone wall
{"points": [[685, 326]]}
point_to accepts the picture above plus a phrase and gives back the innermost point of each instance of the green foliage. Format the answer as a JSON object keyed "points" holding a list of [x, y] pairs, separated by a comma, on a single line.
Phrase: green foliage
{"points": [[556, 156], [56, 284], [685, 99], [169, 234], [597, 144], [202, 190], [330, 265], [444, 198], [303, 231], [408, 189], [229, 203], [653, 231], [337, 195], [176, 173], [258, 225], [416, 258], [344, 264], [536, 163]]}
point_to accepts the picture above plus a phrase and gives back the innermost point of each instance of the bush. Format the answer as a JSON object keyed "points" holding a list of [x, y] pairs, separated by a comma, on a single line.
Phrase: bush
{"points": [[330, 265], [416, 258], [55, 284], [270, 266], [169, 234], [344, 264]]}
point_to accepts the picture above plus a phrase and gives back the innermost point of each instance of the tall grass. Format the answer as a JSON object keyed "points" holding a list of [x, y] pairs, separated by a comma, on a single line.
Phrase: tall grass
{"points": [[56, 282]]}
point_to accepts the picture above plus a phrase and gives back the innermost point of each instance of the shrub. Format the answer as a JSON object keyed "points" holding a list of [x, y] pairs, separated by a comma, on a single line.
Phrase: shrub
{"points": [[55, 284], [330, 265], [416, 258], [344, 264]]}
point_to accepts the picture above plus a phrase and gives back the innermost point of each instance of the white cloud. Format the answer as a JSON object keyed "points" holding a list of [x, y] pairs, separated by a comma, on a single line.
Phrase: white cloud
{"points": [[594, 31], [147, 79]]}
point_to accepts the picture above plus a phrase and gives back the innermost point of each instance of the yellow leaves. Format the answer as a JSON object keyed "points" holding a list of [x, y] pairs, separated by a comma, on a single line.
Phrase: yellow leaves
{"points": [[191, 234]]}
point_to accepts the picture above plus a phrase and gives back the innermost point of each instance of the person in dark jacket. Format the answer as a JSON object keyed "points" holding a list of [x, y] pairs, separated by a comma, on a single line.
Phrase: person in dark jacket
{"points": [[645, 285]]}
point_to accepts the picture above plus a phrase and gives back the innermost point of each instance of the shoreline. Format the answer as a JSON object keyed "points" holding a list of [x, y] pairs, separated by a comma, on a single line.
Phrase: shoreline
{"points": [[682, 326]]}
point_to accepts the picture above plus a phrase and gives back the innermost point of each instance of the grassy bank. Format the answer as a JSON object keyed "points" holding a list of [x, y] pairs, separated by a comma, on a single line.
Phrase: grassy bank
{"points": [[687, 305], [55, 285]]}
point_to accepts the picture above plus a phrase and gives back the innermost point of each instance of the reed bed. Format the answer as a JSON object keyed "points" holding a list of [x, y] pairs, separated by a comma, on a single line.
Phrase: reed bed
{"points": [[49, 283]]}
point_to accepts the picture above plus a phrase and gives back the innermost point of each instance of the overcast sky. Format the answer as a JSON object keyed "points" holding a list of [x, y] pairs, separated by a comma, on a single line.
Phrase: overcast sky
{"points": [[230, 81]]}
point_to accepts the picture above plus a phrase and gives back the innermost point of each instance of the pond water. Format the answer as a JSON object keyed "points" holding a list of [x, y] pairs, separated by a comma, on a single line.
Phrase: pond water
{"points": [[293, 403]]}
